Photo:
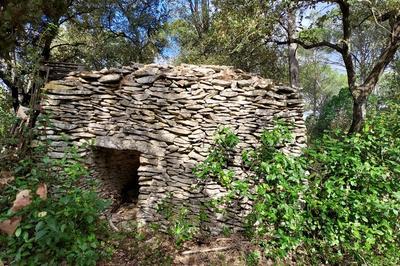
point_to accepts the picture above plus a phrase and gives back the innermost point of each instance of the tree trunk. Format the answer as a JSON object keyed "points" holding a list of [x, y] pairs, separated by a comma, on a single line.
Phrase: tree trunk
{"points": [[46, 51], [293, 62], [15, 97], [361, 93], [13, 88], [359, 110]]}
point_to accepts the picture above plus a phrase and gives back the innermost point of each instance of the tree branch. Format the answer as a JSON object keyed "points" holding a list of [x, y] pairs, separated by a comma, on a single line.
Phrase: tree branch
{"points": [[388, 15], [67, 44], [385, 58], [310, 45]]}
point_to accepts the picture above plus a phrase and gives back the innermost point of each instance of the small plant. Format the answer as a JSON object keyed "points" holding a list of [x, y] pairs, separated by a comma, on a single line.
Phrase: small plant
{"points": [[180, 226], [182, 229], [165, 208], [226, 139], [226, 231], [253, 258], [220, 155]]}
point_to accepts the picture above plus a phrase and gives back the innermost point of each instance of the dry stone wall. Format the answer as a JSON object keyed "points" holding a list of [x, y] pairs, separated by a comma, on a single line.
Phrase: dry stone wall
{"points": [[165, 116]]}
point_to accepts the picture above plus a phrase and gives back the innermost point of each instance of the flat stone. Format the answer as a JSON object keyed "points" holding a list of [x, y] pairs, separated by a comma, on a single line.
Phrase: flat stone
{"points": [[204, 71], [245, 83], [222, 83], [146, 79], [196, 156], [110, 78], [163, 136], [264, 112], [140, 97], [151, 169], [146, 71], [194, 107], [188, 123], [267, 102], [53, 86], [173, 148], [62, 125], [84, 135], [89, 75], [70, 91], [51, 102], [264, 84], [179, 130], [228, 93]]}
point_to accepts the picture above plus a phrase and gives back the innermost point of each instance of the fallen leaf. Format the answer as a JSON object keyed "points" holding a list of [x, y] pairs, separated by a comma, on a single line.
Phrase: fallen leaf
{"points": [[10, 225], [22, 200], [5, 178], [22, 113], [41, 191]]}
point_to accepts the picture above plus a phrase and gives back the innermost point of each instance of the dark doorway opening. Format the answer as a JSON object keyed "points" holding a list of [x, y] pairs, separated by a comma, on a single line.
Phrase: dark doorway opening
{"points": [[130, 190], [118, 172]]}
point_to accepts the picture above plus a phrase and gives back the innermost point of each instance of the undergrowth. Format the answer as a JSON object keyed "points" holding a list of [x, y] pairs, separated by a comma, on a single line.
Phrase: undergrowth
{"points": [[337, 203], [65, 227]]}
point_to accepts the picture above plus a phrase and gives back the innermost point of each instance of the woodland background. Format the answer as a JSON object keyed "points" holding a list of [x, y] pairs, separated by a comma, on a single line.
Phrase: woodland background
{"points": [[342, 55]]}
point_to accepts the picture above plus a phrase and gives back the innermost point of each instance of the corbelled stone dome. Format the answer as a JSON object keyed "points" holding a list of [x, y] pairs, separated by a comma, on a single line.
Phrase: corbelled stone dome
{"points": [[149, 125]]}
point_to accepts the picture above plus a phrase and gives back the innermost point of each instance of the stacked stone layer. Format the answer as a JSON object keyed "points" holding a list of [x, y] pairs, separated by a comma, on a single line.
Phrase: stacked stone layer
{"points": [[168, 116]]}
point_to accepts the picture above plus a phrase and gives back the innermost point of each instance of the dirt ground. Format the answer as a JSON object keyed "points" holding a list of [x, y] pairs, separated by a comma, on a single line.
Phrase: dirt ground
{"points": [[159, 250]]}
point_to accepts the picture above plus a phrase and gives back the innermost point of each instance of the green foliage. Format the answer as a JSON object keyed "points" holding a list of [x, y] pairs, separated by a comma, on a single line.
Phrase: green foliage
{"points": [[62, 228], [226, 231], [390, 83], [220, 155], [353, 202], [279, 187], [335, 114], [319, 84], [182, 229], [114, 33], [7, 119], [58, 230], [338, 202], [180, 226], [235, 35], [14, 15], [312, 35], [253, 258]]}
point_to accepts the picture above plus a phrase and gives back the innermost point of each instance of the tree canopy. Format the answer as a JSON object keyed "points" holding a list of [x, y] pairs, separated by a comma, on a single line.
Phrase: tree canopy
{"points": [[266, 37]]}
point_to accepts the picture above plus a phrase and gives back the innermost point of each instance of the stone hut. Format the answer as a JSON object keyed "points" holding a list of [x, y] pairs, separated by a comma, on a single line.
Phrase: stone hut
{"points": [[149, 125]]}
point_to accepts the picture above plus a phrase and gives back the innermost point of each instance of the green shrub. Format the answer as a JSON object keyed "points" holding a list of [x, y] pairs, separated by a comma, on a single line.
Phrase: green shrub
{"points": [[182, 228], [62, 228], [57, 230], [278, 185], [7, 117], [353, 201], [335, 114], [337, 203], [7, 122]]}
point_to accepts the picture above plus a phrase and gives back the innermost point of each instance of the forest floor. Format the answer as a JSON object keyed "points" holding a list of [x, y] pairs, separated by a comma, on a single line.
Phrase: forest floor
{"points": [[159, 250], [133, 246]]}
